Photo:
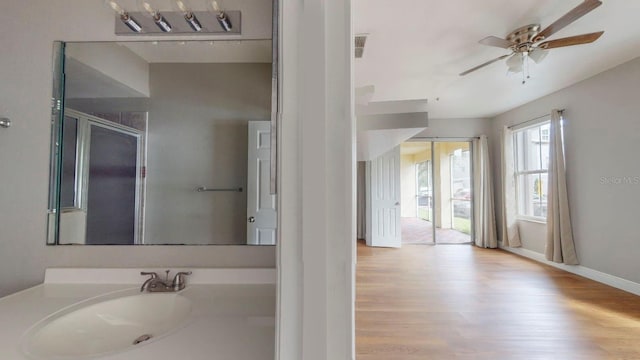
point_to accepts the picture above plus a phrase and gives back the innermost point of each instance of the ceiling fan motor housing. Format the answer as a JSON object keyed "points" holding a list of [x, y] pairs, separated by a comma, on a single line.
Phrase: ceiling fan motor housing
{"points": [[523, 37]]}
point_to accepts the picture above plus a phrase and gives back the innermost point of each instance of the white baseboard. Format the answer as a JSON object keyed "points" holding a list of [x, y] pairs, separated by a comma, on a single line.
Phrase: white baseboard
{"points": [[583, 271]]}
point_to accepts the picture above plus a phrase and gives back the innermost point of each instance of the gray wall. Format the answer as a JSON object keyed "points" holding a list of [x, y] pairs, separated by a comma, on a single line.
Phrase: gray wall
{"points": [[198, 137], [25, 90], [457, 128], [602, 132]]}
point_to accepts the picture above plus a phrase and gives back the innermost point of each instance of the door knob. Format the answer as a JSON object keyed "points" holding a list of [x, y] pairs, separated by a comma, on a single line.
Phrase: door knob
{"points": [[397, 203], [252, 219]]}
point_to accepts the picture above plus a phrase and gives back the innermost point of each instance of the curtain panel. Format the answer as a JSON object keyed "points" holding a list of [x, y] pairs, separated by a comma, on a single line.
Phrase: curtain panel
{"points": [[560, 246], [484, 212]]}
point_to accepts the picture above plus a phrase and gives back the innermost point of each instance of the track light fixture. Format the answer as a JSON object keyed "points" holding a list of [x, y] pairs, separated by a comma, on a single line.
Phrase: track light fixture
{"points": [[124, 16], [180, 18]]}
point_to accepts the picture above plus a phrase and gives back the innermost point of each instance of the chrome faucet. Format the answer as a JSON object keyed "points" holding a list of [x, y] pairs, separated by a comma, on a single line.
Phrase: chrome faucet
{"points": [[155, 284], [147, 284]]}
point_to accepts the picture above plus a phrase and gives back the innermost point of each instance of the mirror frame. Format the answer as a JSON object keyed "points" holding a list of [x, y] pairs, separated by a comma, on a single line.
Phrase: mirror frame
{"points": [[55, 165]]}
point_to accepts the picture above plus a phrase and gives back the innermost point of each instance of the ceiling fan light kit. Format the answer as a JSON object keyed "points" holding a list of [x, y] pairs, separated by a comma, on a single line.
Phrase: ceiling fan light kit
{"points": [[515, 63], [526, 42], [538, 54]]}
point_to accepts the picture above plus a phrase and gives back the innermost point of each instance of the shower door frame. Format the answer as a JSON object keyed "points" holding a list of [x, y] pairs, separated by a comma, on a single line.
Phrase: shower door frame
{"points": [[83, 151]]}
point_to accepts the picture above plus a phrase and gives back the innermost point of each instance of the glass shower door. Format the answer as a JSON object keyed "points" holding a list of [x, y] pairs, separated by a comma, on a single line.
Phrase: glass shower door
{"points": [[112, 186]]}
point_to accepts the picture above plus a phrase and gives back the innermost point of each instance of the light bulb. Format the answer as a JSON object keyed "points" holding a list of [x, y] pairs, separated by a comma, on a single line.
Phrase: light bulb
{"points": [[182, 6], [116, 7], [191, 19], [216, 6], [124, 16], [161, 21], [148, 8]]}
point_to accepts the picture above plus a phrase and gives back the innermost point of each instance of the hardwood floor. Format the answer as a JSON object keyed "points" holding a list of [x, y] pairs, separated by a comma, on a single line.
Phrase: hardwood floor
{"points": [[462, 302], [417, 231]]}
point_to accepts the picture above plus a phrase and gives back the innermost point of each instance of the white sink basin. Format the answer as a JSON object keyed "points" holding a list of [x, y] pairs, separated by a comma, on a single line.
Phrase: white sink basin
{"points": [[106, 327]]}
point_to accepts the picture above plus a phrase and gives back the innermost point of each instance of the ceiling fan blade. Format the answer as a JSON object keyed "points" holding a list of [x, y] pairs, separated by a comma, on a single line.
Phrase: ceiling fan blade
{"points": [[573, 15], [573, 40], [483, 65], [497, 42]]}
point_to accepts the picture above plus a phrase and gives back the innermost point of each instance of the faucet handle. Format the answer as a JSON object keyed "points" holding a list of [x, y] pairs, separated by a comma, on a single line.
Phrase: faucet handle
{"points": [[179, 281], [147, 273]]}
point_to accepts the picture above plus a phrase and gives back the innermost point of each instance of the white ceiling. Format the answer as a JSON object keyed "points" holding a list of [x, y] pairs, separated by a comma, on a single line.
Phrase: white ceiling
{"points": [[417, 48]]}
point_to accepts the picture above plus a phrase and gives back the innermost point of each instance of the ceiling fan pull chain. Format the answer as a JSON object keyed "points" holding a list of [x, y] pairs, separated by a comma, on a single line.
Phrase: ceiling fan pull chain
{"points": [[524, 68]]}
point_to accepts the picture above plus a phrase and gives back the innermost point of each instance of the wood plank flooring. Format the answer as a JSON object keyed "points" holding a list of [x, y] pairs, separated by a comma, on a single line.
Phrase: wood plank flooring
{"points": [[462, 302], [418, 231]]}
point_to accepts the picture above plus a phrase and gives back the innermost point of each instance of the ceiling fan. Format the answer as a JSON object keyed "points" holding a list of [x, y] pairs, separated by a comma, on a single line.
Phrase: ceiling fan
{"points": [[525, 42]]}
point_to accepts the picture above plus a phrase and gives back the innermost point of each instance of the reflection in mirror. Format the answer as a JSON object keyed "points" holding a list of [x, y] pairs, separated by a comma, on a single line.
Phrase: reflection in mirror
{"points": [[163, 143]]}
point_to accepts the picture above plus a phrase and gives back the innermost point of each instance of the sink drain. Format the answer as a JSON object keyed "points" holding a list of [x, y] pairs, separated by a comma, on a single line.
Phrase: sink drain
{"points": [[141, 338]]}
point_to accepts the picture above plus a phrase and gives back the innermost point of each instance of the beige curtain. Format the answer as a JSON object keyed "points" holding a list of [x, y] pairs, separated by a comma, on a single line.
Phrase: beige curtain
{"points": [[510, 232], [560, 246], [484, 214]]}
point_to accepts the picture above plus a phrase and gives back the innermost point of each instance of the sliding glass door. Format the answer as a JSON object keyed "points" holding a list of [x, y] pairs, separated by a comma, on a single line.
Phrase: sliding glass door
{"points": [[455, 192], [424, 190], [437, 181]]}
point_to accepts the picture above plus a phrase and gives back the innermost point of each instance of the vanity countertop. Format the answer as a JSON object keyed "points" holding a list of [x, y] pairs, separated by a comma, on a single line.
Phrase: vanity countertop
{"points": [[232, 316]]}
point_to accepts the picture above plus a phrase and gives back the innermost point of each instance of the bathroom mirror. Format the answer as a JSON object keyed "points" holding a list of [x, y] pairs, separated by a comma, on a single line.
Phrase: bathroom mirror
{"points": [[162, 143]]}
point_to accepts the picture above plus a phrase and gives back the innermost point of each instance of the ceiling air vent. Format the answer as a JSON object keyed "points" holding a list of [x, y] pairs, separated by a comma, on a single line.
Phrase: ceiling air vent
{"points": [[361, 39]]}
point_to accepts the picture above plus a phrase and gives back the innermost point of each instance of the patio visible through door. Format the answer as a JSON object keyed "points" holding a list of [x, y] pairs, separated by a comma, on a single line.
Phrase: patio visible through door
{"points": [[436, 183]]}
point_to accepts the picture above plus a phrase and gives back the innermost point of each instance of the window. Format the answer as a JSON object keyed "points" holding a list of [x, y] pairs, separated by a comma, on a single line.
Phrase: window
{"points": [[544, 135], [532, 166], [424, 189]]}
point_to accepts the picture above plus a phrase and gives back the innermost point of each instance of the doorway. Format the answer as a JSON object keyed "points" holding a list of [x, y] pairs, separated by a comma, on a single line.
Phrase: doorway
{"points": [[437, 196]]}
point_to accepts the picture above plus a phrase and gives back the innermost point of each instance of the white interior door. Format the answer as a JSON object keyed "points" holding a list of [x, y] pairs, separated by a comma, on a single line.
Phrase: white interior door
{"points": [[261, 205], [383, 205]]}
